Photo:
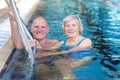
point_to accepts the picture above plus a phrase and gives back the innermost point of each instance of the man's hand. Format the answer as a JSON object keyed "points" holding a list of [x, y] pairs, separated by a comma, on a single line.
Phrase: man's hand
{"points": [[32, 43], [11, 15], [35, 43]]}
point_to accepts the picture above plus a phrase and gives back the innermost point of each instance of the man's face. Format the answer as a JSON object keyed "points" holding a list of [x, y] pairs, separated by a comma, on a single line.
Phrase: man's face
{"points": [[40, 28]]}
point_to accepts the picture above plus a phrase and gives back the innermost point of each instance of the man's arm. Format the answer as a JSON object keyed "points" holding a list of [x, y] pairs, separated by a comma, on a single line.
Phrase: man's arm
{"points": [[86, 44], [17, 42]]}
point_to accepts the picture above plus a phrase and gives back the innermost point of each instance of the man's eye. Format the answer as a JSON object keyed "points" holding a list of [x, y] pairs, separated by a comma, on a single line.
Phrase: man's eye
{"points": [[36, 26], [43, 26]]}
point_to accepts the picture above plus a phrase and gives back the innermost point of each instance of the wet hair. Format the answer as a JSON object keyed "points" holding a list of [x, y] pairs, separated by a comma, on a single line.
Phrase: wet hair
{"points": [[71, 17]]}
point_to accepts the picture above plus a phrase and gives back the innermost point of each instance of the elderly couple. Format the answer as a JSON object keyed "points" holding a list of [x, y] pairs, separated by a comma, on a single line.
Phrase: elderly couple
{"points": [[73, 49]]}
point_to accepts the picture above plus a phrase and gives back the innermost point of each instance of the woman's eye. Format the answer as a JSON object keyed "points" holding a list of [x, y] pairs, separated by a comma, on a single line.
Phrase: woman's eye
{"points": [[73, 25], [67, 26]]}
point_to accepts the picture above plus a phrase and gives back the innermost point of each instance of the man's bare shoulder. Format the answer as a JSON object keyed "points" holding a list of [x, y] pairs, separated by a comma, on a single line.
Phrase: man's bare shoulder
{"points": [[52, 41]]}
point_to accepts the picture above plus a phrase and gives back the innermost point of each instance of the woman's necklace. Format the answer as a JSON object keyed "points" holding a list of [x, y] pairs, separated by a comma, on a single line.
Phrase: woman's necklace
{"points": [[70, 41]]}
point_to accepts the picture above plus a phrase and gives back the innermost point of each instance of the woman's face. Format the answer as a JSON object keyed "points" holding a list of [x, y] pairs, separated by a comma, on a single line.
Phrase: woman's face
{"points": [[72, 28]]}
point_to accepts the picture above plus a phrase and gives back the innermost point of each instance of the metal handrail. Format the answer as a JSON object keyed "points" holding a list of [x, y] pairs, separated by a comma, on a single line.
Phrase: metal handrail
{"points": [[25, 35]]}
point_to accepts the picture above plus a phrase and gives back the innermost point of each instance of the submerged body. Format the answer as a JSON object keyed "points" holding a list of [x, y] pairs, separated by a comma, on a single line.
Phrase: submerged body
{"points": [[77, 50], [78, 54], [73, 59]]}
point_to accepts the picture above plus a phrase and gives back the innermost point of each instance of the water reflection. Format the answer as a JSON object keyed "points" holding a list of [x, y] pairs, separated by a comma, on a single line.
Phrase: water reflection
{"points": [[101, 24]]}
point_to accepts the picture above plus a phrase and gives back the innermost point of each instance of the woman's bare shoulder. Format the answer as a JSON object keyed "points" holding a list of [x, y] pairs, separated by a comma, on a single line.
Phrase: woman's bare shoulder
{"points": [[87, 42]]}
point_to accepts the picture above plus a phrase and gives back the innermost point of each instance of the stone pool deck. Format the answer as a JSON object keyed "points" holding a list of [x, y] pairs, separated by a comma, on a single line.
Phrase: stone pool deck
{"points": [[26, 9]]}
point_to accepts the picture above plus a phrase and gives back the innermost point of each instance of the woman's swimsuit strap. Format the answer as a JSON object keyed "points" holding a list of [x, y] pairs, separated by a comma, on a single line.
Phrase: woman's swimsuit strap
{"points": [[80, 41]]}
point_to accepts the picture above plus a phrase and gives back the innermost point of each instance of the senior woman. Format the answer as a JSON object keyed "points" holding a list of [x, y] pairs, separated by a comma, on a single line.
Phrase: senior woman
{"points": [[77, 49]]}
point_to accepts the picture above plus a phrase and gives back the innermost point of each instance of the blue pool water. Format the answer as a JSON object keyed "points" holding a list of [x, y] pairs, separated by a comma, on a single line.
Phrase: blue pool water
{"points": [[101, 23]]}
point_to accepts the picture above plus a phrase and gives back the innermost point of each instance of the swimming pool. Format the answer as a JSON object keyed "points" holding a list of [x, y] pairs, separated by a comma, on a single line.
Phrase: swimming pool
{"points": [[101, 24]]}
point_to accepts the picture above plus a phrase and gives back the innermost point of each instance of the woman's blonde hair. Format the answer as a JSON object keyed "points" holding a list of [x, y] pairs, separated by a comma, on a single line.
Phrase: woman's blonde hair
{"points": [[71, 17]]}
